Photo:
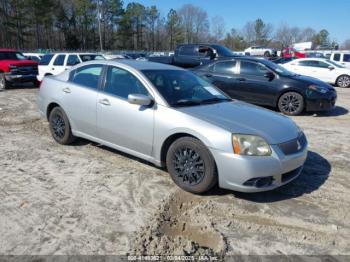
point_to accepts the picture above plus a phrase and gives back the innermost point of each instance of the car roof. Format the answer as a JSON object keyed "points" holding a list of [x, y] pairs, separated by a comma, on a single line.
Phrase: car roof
{"points": [[136, 64]]}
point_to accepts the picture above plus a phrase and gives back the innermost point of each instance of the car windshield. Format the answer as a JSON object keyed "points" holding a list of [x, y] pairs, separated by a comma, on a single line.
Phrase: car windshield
{"points": [[183, 88], [89, 57], [334, 63], [12, 56], [278, 69], [222, 51]]}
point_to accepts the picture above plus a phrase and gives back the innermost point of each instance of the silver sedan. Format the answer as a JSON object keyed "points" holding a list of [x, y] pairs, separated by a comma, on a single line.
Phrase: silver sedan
{"points": [[174, 119]]}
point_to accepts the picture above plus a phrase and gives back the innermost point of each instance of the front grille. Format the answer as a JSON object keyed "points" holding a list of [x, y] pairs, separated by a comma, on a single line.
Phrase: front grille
{"points": [[25, 70], [294, 146], [291, 174]]}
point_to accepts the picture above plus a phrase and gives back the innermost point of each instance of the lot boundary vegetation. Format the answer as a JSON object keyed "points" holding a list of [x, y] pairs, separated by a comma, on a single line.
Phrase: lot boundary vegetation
{"points": [[74, 24]]}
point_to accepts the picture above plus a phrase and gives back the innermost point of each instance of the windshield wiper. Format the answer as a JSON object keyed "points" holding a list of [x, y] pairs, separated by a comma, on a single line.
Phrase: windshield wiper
{"points": [[186, 102], [215, 100]]}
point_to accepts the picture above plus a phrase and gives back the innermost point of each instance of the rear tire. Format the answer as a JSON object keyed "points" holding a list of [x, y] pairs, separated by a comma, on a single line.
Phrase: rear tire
{"points": [[59, 127], [343, 81], [191, 165], [4, 84], [291, 103]]}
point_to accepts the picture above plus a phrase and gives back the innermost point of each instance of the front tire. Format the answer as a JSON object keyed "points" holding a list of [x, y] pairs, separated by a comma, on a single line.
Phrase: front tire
{"points": [[191, 165], [4, 84], [59, 127], [291, 103], [343, 81]]}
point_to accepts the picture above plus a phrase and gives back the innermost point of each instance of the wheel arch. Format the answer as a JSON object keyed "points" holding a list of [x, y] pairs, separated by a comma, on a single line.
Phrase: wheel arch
{"points": [[50, 107]]}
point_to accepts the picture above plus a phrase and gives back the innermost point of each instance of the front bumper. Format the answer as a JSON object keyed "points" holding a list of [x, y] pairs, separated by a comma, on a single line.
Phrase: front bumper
{"points": [[321, 102], [20, 78], [235, 170]]}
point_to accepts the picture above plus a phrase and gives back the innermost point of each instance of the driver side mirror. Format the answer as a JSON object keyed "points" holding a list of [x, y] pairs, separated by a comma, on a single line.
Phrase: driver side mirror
{"points": [[269, 75], [331, 68], [138, 99]]}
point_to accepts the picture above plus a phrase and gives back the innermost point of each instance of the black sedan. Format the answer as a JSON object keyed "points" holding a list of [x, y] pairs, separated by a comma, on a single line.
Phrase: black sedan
{"points": [[259, 81]]}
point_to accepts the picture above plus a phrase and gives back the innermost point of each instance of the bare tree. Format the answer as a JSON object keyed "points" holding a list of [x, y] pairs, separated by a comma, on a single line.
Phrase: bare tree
{"points": [[195, 23], [346, 44], [217, 28]]}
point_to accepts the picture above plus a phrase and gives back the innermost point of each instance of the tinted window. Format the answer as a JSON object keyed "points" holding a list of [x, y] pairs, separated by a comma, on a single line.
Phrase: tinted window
{"points": [[87, 75], [59, 60], [248, 68], [46, 59], [346, 58], [336, 57], [11, 56], [89, 57], [73, 60], [227, 67], [122, 83], [313, 63], [180, 87], [187, 50]]}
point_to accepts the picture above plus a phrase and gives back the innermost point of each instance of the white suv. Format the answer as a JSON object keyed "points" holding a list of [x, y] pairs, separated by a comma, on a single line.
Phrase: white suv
{"points": [[260, 51], [342, 58], [54, 64]]}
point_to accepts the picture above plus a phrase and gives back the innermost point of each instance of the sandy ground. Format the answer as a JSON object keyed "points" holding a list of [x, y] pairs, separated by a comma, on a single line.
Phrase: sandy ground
{"points": [[88, 199]]}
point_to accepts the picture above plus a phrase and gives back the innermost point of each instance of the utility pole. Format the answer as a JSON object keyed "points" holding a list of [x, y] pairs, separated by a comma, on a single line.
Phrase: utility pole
{"points": [[99, 24]]}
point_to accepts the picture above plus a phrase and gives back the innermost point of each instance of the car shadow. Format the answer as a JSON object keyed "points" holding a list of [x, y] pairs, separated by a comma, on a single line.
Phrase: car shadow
{"points": [[336, 111], [315, 173], [18, 86]]}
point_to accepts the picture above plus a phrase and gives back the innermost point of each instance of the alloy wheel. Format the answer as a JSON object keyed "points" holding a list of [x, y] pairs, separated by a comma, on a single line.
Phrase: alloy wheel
{"points": [[290, 103], [58, 126], [343, 81], [188, 165]]}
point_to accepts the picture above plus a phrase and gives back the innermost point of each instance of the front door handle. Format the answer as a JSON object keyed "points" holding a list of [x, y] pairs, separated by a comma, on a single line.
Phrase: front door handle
{"points": [[105, 102], [208, 75], [241, 79], [66, 90]]}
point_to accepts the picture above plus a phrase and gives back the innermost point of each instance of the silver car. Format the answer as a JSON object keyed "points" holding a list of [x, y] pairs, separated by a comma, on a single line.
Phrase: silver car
{"points": [[174, 119]]}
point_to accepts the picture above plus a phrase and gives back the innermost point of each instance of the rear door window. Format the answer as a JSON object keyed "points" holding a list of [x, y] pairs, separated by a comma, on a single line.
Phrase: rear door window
{"points": [[59, 60], [46, 59], [346, 58], [227, 67], [336, 57], [87, 76]]}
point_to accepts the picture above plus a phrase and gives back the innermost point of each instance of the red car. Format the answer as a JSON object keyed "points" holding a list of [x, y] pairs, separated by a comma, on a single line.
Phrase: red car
{"points": [[291, 52], [16, 68]]}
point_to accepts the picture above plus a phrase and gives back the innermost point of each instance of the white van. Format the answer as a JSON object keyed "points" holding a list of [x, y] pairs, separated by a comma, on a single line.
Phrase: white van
{"points": [[342, 58], [54, 64]]}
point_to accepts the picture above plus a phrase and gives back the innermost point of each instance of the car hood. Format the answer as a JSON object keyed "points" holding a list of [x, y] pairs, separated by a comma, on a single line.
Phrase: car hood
{"points": [[311, 81], [20, 62], [243, 118]]}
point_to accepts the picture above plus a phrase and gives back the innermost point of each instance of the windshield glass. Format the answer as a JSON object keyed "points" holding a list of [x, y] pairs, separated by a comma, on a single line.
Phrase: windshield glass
{"points": [[183, 88], [335, 64], [12, 56], [89, 57], [222, 51], [278, 68]]}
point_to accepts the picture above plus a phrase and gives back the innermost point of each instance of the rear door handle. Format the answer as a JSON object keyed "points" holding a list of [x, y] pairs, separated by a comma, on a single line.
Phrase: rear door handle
{"points": [[66, 90], [105, 102], [241, 79], [208, 75]]}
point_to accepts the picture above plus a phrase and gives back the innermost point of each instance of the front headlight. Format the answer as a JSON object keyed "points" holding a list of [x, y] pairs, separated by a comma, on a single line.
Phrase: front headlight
{"points": [[319, 89], [250, 145]]}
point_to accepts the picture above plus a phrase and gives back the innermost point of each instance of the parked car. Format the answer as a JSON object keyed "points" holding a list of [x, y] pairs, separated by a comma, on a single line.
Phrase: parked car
{"points": [[342, 58], [192, 55], [291, 52], [54, 64], [263, 82], [15, 68], [174, 119], [33, 56], [116, 56], [260, 51], [323, 69]]}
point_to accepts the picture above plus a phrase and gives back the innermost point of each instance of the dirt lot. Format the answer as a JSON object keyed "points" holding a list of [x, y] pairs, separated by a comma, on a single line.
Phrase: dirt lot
{"points": [[88, 199]]}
